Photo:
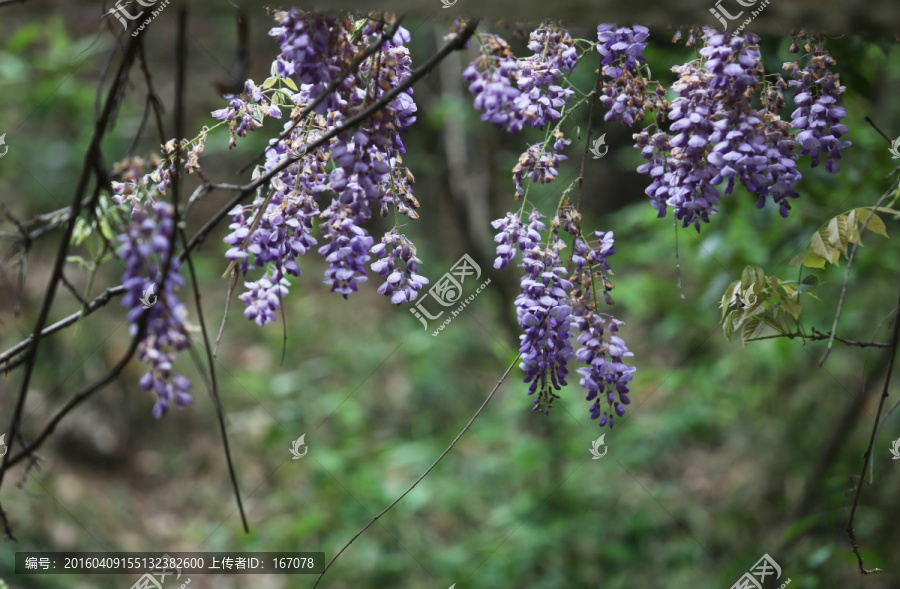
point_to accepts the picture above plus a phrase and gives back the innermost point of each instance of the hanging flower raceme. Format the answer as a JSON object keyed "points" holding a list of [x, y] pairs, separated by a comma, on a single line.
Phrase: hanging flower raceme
{"points": [[340, 182], [515, 92], [540, 163], [818, 116], [544, 314], [716, 136], [606, 377], [399, 264], [145, 247], [624, 86]]}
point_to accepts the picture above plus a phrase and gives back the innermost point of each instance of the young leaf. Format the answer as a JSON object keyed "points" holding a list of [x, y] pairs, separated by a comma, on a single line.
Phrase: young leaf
{"points": [[874, 223]]}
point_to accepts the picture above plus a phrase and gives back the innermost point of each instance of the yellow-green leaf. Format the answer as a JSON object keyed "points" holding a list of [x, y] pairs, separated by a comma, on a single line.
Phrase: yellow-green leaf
{"points": [[289, 83], [874, 223], [814, 260]]}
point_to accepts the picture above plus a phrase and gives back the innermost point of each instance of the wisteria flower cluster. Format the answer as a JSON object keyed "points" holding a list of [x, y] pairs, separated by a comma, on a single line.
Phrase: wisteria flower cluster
{"points": [[555, 308], [717, 136], [818, 116], [605, 377], [340, 182], [544, 314], [624, 86], [145, 249], [515, 92]]}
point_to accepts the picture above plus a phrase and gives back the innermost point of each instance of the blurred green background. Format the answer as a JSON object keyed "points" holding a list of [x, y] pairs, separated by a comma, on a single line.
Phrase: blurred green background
{"points": [[727, 452]]}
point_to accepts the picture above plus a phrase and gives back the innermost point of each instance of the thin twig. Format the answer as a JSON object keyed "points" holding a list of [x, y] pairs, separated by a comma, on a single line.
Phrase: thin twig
{"points": [[818, 336], [837, 316], [181, 60], [424, 474], [101, 300], [868, 454], [587, 140], [71, 288], [878, 129]]}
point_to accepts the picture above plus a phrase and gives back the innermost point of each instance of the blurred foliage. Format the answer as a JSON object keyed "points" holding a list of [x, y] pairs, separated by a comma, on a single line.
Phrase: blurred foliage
{"points": [[719, 460]]}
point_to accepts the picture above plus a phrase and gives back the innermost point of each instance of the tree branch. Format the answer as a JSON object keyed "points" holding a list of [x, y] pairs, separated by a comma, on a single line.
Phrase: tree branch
{"points": [[454, 45], [90, 162], [868, 454], [424, 474]]}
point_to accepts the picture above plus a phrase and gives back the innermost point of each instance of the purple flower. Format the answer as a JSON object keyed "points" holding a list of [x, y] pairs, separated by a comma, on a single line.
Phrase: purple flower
{"points": [[513, 235], [623, 91], [717, 137], [544, 314], [605, 377], [515, 92], [818, 116], [399, 264], [263, 298], [540, 163], [144, 247]]}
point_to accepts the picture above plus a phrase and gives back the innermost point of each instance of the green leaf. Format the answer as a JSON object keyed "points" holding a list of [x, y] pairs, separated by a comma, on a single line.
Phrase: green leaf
{"points": [[833, 232], [750, 330], [817, 244], [813, 260], [270, 81], [728, 297], [811, 280], [289, 83], [790, 305], [874, 223]]}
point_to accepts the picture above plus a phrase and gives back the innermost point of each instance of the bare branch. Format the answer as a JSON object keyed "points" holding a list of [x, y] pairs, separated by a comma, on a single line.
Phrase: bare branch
{"points": [[88, 168], [868, 454], [424, 474]]}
